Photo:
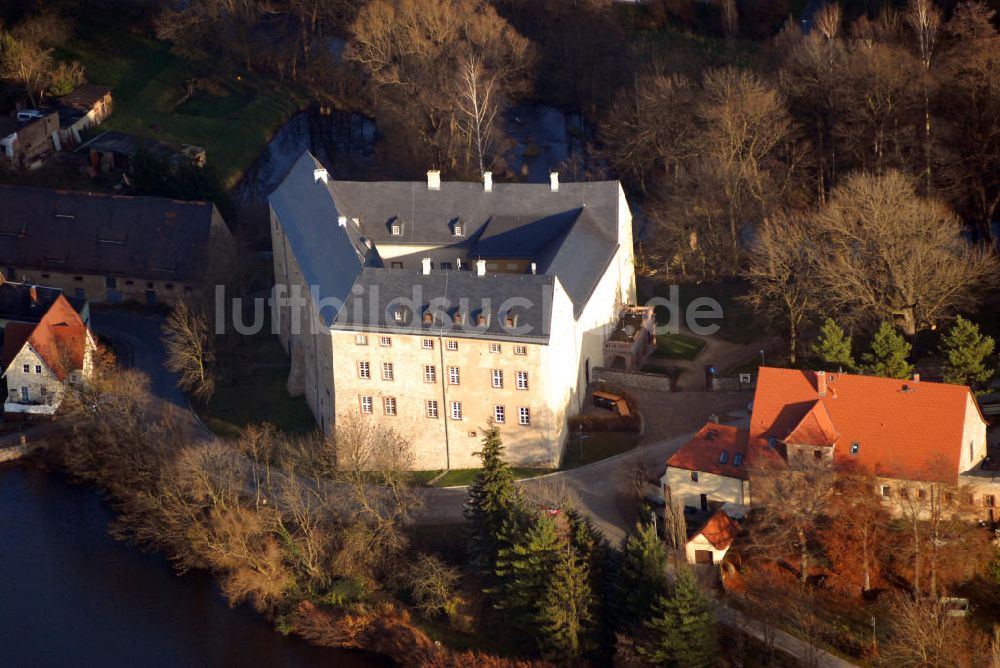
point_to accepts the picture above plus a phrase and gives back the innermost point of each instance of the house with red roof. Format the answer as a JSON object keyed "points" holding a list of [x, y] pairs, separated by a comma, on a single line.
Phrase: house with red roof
{"points": [[710, 468], [39, 359], [709, 544]]}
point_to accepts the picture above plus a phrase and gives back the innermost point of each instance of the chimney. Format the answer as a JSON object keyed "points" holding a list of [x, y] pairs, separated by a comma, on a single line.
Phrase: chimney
{"points": [[916, 378], [433, 179], [428, 318], [342, 221], [480, 267], [821, 383], [554, 181], [534, 267], [33, 292], [320, 174], [426, 265], [458, 264], [488, 181]]}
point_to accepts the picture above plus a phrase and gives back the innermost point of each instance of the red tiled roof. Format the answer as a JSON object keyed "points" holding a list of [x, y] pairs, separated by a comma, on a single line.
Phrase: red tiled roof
{"points": [[60, 338], [703, 452], [720, 529], [904, 429]]}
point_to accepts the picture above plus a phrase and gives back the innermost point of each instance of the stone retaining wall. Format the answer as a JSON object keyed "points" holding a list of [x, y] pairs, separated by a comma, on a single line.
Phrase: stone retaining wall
{"points": [[636, 380]]}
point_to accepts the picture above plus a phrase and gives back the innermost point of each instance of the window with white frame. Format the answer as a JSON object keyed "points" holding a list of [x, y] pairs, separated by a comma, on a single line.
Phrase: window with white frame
{"points": [[453, 345], [494, 347], [396, 229], [364, 370], [453, 375], [456, 410], [385, 341], [524, 415], [26, 368], [389, 404], [38, 368], [427, 344], [520, 350], [366, 405], [432, 408], [522, 380], [499, 414], [430, 373], [399, 314], [387, 373], [497, 376], [886, 490], [361, 339]]}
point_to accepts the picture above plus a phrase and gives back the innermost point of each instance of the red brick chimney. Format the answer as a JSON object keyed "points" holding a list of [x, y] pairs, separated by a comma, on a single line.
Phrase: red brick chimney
{"points": [[821, 383]]}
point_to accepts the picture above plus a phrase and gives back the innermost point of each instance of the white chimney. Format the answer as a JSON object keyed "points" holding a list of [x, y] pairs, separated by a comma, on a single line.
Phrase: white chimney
{"points": [[916, 378], [458, 264], [821, 383], [342, 221], [554, 181], [488, 181], [320, 174], [480, 267], [534, 267], [433, 179], [426, 265]]}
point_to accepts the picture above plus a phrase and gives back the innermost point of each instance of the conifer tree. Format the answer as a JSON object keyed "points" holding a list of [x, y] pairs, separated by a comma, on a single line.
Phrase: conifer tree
{"points": [[564, 621], [526, 558], [965, 350], [682, 629], [833, 346], [641, 576], [493, 500], [593, 549], [889, 353]]}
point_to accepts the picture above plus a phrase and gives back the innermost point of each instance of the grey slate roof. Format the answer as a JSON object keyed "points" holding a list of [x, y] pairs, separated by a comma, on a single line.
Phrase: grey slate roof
{"points": [[571, 234], [145, 237], [21, 302]]}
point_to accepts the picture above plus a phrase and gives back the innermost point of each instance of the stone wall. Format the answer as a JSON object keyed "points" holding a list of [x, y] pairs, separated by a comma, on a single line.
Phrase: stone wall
{"points": [[638, 380]]}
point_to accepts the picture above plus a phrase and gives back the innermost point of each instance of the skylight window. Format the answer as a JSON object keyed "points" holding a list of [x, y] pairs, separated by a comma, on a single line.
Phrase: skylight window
{"points": [[723, 457], [855, 447]]}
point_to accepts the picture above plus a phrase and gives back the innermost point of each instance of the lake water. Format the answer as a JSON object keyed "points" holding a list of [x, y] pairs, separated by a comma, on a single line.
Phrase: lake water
{"points": [[70, 595]]}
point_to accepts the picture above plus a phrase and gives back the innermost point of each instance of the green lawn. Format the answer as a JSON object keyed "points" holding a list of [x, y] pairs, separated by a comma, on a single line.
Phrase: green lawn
{"points": [[459, 477], [258, 394], [597, 447], [232, 122], [678, 346], [739, 324]]}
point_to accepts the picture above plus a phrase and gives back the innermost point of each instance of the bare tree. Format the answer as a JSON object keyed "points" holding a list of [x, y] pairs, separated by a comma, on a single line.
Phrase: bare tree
{"points": [[924, 18], [923, 633], [190, 350], [888, 253], [27, 63], [780, 274], [478, 106]]}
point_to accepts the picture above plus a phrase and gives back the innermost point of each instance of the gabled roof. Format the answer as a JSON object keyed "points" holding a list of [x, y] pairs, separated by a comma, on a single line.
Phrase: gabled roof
{"points": [[75, 232], [904, 429], [719, 530], [704, 451], [23, 302], [60, 339], [815, 428]]}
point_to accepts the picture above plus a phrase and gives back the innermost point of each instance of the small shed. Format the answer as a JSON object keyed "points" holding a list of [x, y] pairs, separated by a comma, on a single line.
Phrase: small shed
{"points": [[709, 544]]}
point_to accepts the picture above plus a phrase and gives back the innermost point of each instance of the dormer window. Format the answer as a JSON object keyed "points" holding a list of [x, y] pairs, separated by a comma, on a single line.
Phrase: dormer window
{"points": [[737, 460], [395, 229], [855, 447], [399, 315], [457, 230], [723, 457]]}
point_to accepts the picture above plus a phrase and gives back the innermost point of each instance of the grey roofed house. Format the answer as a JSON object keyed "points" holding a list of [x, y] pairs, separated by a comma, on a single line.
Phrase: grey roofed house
{"points": [[111, 235], [336, 227], [23, 302]]}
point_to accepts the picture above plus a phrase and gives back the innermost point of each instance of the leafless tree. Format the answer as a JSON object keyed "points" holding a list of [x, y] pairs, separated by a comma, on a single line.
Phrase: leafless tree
{"points": [[434, 586], [888, 253], [479, 107], [190, 350], [924, 634], [924, 18]]}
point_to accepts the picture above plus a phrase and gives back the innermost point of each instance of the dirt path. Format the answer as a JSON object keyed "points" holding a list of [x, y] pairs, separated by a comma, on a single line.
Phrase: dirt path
{"points": [[723, 355]]}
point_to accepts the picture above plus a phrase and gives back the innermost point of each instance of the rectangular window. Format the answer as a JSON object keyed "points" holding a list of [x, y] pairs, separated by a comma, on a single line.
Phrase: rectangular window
{"points": [[989, 500], [499, 414], [385, 341], [817, 454], [38, 368], [723, 457], [389, 404], [497, 375], [520, 350], [453, 376], [432, 408], [399, 315], [395, 265], [524, 415], [886, 491], [24, 394], [737, 460], [453, 345], [387, 373], [430, 374], [366, 405], [396, 230], [26, 368], [364, 370], [522, 380], [456, 410], [694, 476], [494, 347], [427, 344]]}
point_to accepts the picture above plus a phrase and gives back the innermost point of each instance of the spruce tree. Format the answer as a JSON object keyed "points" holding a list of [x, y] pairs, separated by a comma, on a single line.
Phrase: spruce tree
{"points": [[564, 622], [493, 500], [965, 350], [527, 556], [833, 346], [593, 549], [681, 630], [641, 576], [889, 353]]}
